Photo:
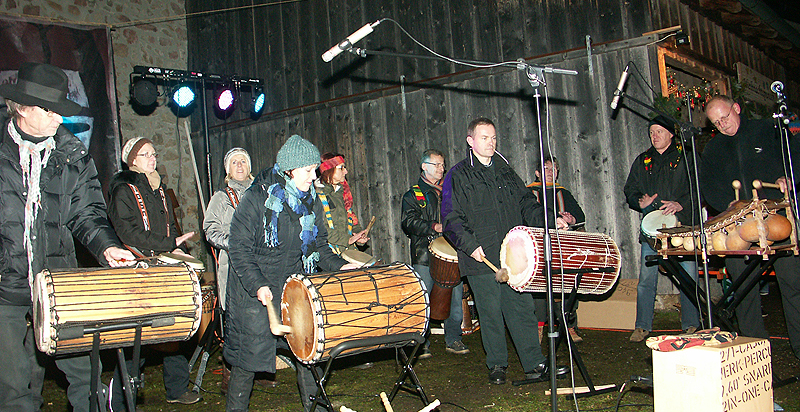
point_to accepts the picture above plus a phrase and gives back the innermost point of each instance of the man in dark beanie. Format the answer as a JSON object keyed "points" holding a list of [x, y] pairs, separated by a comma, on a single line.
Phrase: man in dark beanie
{"points": [[659, 183], [50, 193]]}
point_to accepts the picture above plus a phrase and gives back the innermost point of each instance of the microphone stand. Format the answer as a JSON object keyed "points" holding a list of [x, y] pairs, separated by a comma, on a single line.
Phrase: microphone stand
{"points": [[688, 132], [535, 75], [782, 123]]}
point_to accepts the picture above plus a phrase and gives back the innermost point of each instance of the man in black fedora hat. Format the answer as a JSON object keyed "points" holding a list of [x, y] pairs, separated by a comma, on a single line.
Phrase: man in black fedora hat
{"points": [[49, 194]]}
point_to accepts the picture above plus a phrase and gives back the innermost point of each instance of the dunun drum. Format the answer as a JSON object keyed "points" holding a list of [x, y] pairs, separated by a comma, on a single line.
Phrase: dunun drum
{"points": [[67, 302], [522, 253], [327, 309], [445, 274]]}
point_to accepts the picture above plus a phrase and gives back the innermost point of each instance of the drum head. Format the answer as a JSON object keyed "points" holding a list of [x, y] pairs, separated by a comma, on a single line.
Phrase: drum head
{"points": [[656, 220], [442, 249], [300, 316], [173, 258], [42, 325], [357, 256], [518, 254]]}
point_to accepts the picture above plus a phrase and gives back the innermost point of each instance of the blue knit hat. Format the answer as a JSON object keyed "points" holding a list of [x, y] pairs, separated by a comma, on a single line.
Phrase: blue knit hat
{"points": [[297, 152]]}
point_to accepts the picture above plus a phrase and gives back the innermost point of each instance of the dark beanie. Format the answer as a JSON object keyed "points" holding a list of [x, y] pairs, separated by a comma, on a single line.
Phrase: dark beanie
{"points": [[297, 152], [663, 122]]}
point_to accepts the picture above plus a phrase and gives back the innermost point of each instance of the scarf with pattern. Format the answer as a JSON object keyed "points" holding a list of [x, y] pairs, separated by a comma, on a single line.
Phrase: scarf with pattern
{"points": [[301, 204]]}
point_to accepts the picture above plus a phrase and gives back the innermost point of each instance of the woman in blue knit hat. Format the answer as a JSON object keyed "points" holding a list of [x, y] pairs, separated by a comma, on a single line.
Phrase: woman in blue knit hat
{"points": [[278, 229]]}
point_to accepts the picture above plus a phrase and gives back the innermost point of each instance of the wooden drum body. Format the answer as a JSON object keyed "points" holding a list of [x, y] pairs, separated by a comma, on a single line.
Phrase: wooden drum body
{"points": [[445, 274], [67, 302], [327, 309], [522, 253]]}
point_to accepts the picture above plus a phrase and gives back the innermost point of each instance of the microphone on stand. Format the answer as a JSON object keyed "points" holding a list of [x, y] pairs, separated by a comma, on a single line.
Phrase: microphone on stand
{"points": [[618, 93], [347, 43], [777, 88]]}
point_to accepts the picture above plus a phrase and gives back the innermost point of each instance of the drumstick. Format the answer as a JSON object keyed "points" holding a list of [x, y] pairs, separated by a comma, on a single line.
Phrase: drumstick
{"points": [[736, 186], [431, 406], [275, 325], [386, 403], [757, 184], [500, 275], [369, 226]]}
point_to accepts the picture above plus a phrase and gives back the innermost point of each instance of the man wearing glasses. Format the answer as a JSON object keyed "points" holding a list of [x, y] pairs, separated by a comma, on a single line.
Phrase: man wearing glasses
{"points": [[421, 222], [746, 150]]}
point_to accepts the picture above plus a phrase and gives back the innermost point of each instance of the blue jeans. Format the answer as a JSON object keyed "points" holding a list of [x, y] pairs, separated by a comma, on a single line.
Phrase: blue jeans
{"points": [[452, 325], [646, 293], [22, 370]]}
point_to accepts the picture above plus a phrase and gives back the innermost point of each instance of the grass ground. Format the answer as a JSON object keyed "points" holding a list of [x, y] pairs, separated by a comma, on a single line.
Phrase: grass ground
{"points": [[460, 382]]}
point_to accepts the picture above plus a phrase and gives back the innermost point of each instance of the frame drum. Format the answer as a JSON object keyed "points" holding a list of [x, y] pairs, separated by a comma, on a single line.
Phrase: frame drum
{"points": [[656, 220], [358, 257], [327, 309], [445, 274], [67, 302], [522, 253]]}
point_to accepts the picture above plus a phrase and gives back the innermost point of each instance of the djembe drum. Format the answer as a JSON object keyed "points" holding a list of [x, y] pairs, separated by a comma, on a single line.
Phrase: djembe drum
{"points": [[445, 274]]}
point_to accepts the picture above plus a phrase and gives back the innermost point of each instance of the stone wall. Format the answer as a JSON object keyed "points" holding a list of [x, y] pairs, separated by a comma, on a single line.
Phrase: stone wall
{"points": [[151, 43]]}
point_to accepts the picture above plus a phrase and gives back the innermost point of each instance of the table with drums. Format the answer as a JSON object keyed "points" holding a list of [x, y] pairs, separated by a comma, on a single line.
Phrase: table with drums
{"points": [[582, 263], [351, 312], [85, 310]]}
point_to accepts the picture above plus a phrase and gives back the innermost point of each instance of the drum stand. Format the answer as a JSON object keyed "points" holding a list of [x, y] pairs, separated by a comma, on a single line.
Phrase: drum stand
{"points": [[590, 390], [206, 346], [398, 341]]}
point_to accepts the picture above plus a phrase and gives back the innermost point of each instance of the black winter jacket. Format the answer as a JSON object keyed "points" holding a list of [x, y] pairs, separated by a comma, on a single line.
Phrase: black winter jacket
{"points": [[126, 216], [418, 217], [480, 205], [72, 205], [249, 344]]}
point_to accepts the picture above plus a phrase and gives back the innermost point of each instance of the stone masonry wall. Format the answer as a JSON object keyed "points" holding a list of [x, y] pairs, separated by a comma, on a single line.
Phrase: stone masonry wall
{"points": [[159, 44]]}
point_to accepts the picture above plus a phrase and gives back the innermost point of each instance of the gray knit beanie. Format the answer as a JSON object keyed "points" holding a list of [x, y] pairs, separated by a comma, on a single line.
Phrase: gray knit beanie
{"points": [[297, 152]]}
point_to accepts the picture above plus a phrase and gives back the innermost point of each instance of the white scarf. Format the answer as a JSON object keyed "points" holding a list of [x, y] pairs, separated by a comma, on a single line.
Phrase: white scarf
{"points": [[32, 163]]}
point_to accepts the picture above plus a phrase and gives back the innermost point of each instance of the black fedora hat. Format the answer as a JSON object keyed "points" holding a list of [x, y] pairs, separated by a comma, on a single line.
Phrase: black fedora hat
{"points": [[43, 85]]}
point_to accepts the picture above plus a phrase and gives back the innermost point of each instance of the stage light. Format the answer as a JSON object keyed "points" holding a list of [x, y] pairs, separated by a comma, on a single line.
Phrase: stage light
{"points": [[183, 95], [258, 101], [225, 98], [144, 92]]}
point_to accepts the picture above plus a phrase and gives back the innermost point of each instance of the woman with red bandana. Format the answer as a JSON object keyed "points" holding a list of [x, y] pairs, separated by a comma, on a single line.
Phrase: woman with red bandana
{"points": [[344, 230]]}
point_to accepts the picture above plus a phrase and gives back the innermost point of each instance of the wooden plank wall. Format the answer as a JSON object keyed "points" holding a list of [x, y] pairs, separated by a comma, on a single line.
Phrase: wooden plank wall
{"points": [[355, 106]]}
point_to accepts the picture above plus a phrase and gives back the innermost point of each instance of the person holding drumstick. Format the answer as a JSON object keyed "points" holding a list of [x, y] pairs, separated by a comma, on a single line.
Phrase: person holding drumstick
{"points": [[141, 214], [51, 197], [421, 222], [659, 181], [344, 230], [569, 210], [482, 199], [747, 150], [277, 230]]}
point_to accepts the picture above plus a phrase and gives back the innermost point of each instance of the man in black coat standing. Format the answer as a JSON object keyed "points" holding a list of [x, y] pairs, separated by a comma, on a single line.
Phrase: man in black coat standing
{"points": [[482, 199], [49, 193]]}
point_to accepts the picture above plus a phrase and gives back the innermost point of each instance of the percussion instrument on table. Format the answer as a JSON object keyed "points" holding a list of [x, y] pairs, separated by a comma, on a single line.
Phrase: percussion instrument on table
{"points": [[656, 220], [445, 274], [522, 254], [326, 309], [67, 302], [358, 257]]}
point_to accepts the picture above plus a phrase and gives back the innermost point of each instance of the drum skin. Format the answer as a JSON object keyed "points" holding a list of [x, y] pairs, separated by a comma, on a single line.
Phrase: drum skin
{"points": [[327, 309], [522, 253], [67, 302]]}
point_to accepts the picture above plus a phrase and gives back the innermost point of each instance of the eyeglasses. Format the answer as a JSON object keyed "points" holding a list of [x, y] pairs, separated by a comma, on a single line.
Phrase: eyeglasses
{"points": [[146, 155], [723, 119], [436, 165]]}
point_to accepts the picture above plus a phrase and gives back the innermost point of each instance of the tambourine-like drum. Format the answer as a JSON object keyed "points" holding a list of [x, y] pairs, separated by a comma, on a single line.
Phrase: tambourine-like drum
{"points": [[445, 274], [358, 257], [656, 220], [522, 253], [327, 309], [65, 303]]}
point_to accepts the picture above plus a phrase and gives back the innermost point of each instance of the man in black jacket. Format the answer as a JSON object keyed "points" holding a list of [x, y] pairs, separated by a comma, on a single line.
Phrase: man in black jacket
{"points": [[49, 193], [747, 150], [421, 222], [482, 199], [658, 182]]}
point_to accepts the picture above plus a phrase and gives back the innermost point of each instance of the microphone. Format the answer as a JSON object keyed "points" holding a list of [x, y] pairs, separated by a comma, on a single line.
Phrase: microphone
{"points": [[347, 43], [618, 93], [776, 87]]}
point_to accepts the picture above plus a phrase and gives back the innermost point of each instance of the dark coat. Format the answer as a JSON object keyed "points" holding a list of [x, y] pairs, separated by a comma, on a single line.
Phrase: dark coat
{"points": [[480, 205], [565, 202], [72, 205], [126, 216], [248, 341], [417, 220]]}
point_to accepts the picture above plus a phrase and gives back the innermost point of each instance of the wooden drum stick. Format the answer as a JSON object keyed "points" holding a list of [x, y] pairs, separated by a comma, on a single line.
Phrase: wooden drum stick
{"points": [[500, 275], [757, 184], [275, 325], [386, 403], [737, 185]]}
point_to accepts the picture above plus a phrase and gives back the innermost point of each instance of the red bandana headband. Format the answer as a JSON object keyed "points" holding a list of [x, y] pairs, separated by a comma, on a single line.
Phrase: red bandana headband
{"points": [[331, 163]]}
